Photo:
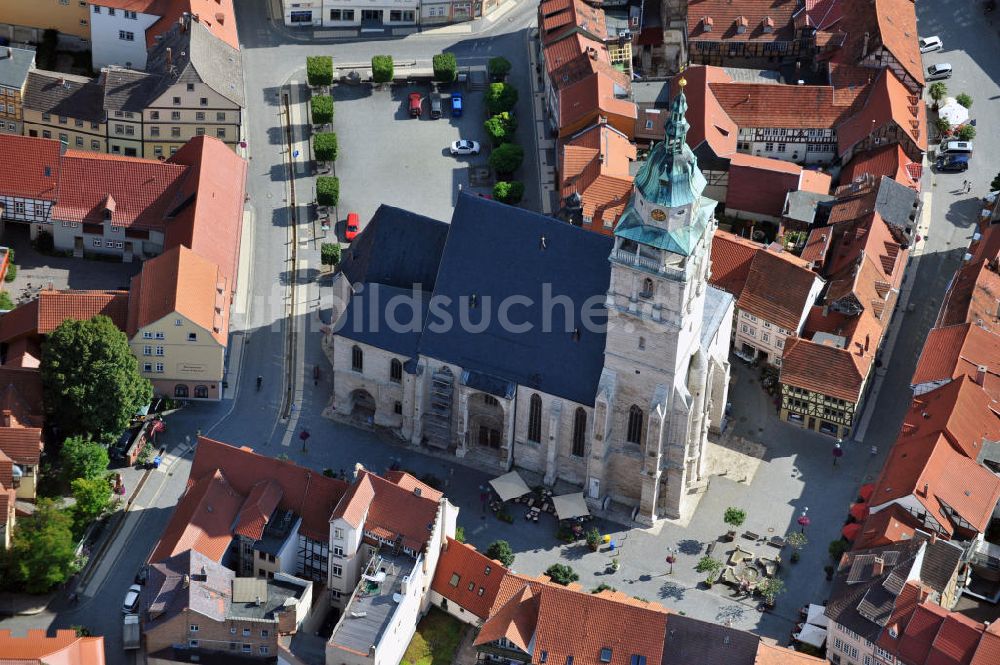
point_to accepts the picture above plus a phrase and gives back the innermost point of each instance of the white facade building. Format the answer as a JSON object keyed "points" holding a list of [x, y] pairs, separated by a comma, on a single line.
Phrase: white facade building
{"points": [[118, 36]]}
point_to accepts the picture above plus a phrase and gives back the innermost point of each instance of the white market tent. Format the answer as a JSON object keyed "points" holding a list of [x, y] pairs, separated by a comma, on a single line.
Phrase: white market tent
{"points": [[816, 617], [509, 486], [953, 112], [811, 634], [570, 505]]}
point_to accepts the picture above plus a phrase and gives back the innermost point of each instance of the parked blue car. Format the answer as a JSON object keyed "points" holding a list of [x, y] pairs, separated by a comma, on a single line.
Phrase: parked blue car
{"points": [[456, 105]]}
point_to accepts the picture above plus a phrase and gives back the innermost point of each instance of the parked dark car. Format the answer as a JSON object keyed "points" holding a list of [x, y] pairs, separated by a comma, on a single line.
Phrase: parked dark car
{"points": [[953, 163]]}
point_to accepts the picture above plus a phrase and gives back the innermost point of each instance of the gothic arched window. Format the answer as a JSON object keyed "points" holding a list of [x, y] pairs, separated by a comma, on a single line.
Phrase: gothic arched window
{"points": [[579, 432], [396, 371], [648, 288], [357, 359], [535, 419], [634, 433]]}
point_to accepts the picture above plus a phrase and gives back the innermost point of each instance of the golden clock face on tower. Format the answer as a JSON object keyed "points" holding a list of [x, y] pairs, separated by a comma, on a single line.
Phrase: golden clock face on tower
{"points": [[658, 214]]}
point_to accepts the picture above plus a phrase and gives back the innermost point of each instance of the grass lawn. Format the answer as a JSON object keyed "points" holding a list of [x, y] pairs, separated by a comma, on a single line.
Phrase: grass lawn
{"points": [[436, 640]]}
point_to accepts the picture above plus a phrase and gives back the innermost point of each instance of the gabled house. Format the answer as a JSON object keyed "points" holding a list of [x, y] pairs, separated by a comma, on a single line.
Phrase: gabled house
{"points": [[891, 114], [961, 410], [593, 165], [747, 34], [65, 107], [963, 350], [64, 648], [889, 160], [21, 420], [759, 186], [15, 64], [178, 324]]}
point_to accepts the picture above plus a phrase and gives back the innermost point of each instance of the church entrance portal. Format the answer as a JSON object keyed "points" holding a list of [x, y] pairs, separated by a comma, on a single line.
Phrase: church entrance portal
{"points": [[486, 420], [363, 406]]}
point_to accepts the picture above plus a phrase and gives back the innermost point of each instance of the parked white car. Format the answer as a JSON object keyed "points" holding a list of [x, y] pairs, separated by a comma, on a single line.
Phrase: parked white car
{"points": [[464, 147], [131, 599], [928, 44]]}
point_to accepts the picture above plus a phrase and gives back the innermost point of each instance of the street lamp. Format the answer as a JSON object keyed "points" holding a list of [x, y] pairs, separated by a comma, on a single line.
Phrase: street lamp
{"points": [[838, 452], [671, 558], [804, 519]]}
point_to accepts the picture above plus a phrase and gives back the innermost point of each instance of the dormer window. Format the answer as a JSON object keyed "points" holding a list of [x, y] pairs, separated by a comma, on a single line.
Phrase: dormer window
{"points": [[741, 24], [107, 215], [707, 23], [768, 24]]}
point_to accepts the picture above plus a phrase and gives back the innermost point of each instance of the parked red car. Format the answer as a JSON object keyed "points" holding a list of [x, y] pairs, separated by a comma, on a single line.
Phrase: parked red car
{"points": [[352, 226], [416, 104]]}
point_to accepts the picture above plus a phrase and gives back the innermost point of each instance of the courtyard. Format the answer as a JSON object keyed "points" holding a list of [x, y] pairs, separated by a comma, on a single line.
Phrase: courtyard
{"points": [[388, 157]]}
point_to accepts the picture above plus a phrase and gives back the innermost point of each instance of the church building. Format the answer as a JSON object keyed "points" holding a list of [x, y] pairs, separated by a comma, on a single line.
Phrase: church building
{"points": [[512, 339]]}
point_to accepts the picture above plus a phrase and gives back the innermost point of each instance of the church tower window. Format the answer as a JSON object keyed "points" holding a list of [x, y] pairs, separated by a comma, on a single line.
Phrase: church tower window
{"points": [[579, 432], [634, 433], [648, 288], [535, 419]]}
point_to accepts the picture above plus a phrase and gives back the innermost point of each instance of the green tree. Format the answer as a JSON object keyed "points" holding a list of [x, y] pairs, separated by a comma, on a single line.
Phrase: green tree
{"points": [[966, 132], [382, 68], [322, 109], [325, 147], [500, 97], [509, 192], [329, 253], [445, 67], [5, 302], [11, 272], [735, 517], [506, 158], [500, 550], [938, 91], [42, 553], [327, 190], [93, 496], [769, 588], [561, 574], [837, 548], [501, 127], [82, 458], [708, 564], [90, 378], [965, 100], [797, 540], [499, 67], [942, 125], [319, 70]]}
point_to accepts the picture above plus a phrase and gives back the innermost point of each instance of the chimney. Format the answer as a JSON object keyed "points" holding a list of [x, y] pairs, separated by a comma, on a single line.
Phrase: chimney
{"points": [[981, 375], [170, 57], [6, 418], [864, 49], [926, 489], [934, 537], [923, 593], [843, 561], [416, 491], [220, 18], [878, 567]]}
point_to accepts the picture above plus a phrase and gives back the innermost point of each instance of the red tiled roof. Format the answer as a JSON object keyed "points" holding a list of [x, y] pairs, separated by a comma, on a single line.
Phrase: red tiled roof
{"points": [[202, 520], [22, 444], [751, 14], [887, 526], [65, 648], [44, 314], [208, 12], [401, 512], [951, 479], [919, 633], [595, 164], [37, 173], [556, 17], [888, 160], [411, 484], [257, 509], [139, 193], [310, 495], [731, 259], [817, 246], [954, 351], [823, 369], [956, 641], [961, 410], [354, 505], [211, 224], [782, 106], [823, 14], [888, 101], [709, 122], [777, 289], [182, 282], [515, 620], [897, 25], [25, 352], [21, 394], [773, 654], [988, 651], [761, 184], [974, 296], [471, 568], [593, 94]]}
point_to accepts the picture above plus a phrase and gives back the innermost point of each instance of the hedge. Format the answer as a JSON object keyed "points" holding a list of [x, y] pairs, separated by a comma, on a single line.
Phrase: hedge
{"points": [[319, 70], [325, 147], [506, 158], [327, 190], [382, 68], [322, 109], [445, 67]]}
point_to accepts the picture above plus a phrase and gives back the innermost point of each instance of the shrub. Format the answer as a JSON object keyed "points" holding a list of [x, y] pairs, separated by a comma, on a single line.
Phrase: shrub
{"points": [[769, 588], [329, 254], [942, 125], [708, 564], [797, 540], [460, 534], [965, 100], [445, 67], [500, 97], [44, 242], [836, 548], [327, 190], [593, 536], [325, 147], [501, 551], [501, 127], [506, 158], [319, 70], [602, 587], [561, 574], [499, 67], [995, 185], [966, 132], [322, 109], [509, 192], [11, 272], [5, 301], [735, 517], [382, 68], [938, 90]]}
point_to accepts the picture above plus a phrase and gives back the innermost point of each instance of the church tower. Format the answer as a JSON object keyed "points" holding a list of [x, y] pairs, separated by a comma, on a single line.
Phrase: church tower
{"points": [[651, 415]]}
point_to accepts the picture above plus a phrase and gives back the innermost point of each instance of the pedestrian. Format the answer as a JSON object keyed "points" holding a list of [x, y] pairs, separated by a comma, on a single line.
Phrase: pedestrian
{"points": [[874, 451], [965, 185], [968, 187]]}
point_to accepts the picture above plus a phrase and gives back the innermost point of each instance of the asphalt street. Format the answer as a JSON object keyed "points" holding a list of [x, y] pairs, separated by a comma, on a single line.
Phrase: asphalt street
{"points": [[272, 59]]}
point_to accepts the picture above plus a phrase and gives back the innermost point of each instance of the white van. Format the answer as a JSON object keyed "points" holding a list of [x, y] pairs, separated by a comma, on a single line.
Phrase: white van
{"points": [[956, 148]]}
